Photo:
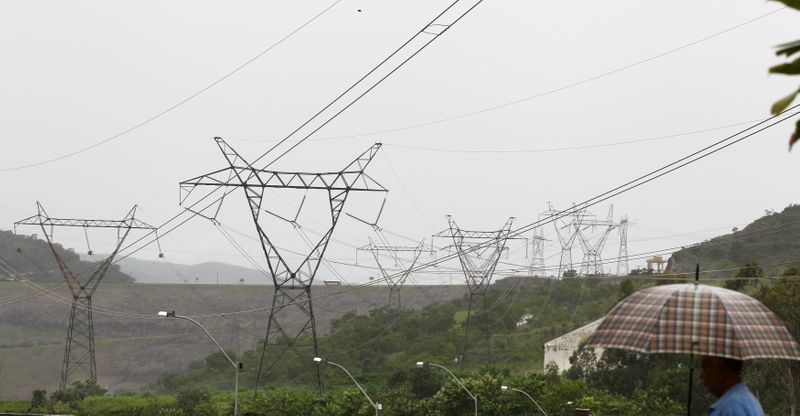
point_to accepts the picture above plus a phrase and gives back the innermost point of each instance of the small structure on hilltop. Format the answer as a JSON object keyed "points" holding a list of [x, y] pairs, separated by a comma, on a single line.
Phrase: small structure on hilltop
{"points": [[559, 350]]}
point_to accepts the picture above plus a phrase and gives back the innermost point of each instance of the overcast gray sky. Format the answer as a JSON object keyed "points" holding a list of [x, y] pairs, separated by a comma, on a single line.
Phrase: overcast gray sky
{"points": [[77, 73]]}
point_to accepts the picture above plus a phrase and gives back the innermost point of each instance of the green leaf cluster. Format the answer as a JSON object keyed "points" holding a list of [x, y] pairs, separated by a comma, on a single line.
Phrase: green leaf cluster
{"points": [[788, 68]]}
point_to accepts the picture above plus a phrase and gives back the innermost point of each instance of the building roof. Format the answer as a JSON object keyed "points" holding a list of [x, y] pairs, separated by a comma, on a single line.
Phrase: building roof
{"points": [[572, 338]]}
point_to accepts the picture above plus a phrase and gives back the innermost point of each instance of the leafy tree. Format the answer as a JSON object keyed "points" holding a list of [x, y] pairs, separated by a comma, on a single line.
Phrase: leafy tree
{"points": [[77, 392], [38, 399], [744, 277], [642, 271], [783, 298], [551, 373], [190, 399], [788, 68], [626, 288], [583, 364]]}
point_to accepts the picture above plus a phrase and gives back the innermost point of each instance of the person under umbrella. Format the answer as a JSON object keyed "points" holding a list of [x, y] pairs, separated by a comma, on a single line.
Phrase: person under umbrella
{"points": [[705, 320], [722, 377]]}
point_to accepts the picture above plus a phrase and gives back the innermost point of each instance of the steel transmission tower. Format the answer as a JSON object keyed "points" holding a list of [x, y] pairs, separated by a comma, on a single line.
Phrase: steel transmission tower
{"points": [[79, 350], [292, 289], [478, 252], [537, 267], [592, 253], [622, 261], [566, 239], [404, 262]]}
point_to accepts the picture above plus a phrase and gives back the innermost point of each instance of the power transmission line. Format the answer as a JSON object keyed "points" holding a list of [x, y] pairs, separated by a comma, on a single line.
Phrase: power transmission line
{"points": [[179, 103]]}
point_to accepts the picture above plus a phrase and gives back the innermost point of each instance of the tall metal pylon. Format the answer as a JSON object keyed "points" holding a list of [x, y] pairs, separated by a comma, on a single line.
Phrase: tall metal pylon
{"points": [[79, 350], [292, 283], [623, 267], [405, 263], [537, 266], [592, 264], [566, 239], [478, 252]]}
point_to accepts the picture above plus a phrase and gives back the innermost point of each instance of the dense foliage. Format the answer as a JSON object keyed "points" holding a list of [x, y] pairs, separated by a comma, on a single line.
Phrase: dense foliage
{"points": [[390, 342], [788, 68]]}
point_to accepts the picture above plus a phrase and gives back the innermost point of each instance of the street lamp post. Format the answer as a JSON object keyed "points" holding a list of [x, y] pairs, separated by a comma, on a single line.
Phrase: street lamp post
{"points": [[474, 397], [506, 388], [236, 366], [377, 406]]}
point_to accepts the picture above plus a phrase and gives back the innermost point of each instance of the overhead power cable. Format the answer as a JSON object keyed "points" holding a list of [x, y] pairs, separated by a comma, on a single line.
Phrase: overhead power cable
{"points": [[415, 44], [566, 148], [694, 157], [561, 88], [179, 103]]}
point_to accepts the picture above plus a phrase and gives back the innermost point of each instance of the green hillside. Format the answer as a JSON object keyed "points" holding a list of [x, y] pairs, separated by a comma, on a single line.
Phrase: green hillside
{"points": [[772, 241], [31, 257]]}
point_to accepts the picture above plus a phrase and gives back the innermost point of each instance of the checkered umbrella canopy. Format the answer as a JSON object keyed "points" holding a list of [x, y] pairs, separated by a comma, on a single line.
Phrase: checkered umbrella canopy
{"points": [[695, 318]]}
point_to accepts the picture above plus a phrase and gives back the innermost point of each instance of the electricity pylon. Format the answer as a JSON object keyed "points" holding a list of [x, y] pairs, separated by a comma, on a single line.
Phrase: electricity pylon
{"points": [[592, 261], [405, 263], [79, 349], [478, 252], [292, 282], [537, 267], [566, 240], [622, 260]]}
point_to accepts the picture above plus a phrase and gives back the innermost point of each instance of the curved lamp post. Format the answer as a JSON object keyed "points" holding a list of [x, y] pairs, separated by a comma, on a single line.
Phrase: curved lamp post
{"points": [[236, 366], [421, 364], [506, 388], [377, 406]]}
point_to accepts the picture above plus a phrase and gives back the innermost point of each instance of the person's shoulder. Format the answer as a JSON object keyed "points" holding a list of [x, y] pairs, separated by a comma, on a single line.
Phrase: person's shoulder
{"points": [[741, 402]]}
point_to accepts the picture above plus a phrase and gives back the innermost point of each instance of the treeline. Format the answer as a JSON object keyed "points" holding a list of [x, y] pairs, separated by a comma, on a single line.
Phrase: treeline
{"points": [[381, 349], [30, 257], [386, 342]]}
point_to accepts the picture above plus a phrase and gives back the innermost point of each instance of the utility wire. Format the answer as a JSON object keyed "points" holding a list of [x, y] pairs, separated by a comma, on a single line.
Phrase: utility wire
{"points": [[561, 88], [179, 103], [565, 148], [626, 187]]}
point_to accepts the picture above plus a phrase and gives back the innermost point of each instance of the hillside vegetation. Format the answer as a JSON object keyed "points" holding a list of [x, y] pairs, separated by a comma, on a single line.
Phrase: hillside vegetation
{"points": [[31, 257], [770, 241]]}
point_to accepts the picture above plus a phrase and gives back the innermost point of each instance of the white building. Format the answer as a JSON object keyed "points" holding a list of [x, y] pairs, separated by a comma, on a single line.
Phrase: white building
{"points": [[560, 349]]}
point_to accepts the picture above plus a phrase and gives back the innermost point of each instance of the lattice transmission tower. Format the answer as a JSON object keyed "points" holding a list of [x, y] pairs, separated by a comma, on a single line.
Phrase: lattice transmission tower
{"points": [[623, 267], [404, 258], [537, 266], [292, 282], [566, 238], [592, 251], [479, 252], [79, 349]]}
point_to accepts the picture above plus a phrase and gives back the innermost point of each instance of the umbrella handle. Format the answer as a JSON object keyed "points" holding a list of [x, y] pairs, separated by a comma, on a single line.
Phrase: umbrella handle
{"points": [[691, 379]]}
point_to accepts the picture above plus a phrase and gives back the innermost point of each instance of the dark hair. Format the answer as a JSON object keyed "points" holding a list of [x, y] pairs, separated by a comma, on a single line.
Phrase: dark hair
{"points": [[733, 364]]}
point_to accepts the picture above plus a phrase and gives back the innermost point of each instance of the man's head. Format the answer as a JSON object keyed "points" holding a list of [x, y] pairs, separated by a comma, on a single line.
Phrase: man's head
{"points": [[720, 374]]}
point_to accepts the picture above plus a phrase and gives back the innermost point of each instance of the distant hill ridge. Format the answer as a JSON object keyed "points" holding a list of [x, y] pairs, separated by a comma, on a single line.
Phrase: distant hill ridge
{"points": [[164, 271], [772, 241]]}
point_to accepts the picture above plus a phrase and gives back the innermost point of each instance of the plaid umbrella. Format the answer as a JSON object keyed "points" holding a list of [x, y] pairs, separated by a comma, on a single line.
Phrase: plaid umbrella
{"points": [[697, 319]]}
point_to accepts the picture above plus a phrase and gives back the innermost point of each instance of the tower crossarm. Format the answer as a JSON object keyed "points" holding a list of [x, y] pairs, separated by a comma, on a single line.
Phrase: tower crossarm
{"points": [[334, 181], [41, 220], [87, 285], [390, 248], [242, 174], [472, 234]]}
